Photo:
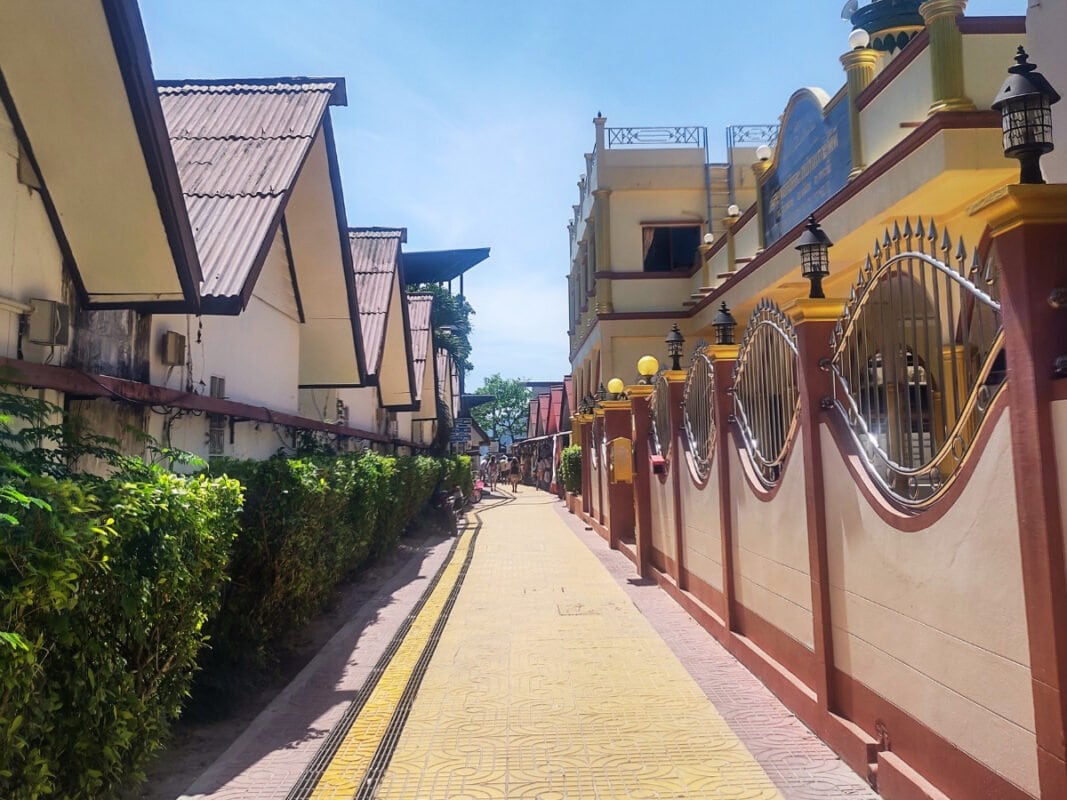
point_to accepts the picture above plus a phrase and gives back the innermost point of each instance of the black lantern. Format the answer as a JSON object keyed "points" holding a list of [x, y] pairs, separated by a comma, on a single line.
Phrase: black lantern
{"points": [[601, 393], [1025, 105], [814, 247], [675, 343], [587, 404], [724, 325]]}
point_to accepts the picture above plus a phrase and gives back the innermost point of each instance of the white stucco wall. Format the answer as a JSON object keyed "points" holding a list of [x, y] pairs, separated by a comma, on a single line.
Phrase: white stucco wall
{"points": [[1046, 21], [31, 265], [703, 536]]}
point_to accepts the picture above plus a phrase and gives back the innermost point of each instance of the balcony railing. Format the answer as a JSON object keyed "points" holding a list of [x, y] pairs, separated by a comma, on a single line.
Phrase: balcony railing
{"points": [[672, 136]]}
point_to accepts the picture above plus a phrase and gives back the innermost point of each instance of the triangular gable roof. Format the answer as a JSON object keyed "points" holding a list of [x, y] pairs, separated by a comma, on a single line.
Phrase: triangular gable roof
{"points": [[531, 425], [375, 262], [543, 402], [77, 85], [239, 146], [566, 409], [554, 408], [419, 307]]}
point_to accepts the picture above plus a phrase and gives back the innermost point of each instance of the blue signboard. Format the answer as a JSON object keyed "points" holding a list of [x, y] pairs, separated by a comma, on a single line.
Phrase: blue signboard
{"points": [[812, 163]]}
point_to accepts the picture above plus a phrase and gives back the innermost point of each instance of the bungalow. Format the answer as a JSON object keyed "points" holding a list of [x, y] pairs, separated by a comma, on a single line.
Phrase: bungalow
{"points": [[259, 176], [93, 228], [419, 424]]}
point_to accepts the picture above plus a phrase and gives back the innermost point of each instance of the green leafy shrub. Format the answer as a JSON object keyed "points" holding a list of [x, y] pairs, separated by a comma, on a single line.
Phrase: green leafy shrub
{"points": [[307, 524], [103, 617], [570, 469], [457, 472]]}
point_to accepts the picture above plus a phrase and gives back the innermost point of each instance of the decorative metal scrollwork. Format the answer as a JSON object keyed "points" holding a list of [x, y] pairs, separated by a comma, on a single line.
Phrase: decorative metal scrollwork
{"points": [[766, 392], [659, 409], [918, 358], [692, 135], [698, 412]]}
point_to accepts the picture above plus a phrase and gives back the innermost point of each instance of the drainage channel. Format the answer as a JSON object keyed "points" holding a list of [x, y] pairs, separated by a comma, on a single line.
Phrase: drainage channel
{"points": [[309, 785]]}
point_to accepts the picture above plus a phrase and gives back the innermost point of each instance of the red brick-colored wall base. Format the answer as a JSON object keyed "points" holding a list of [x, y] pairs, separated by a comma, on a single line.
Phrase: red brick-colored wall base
{"points": [[628, 550], [573, 502], [781, 666], [601, 531]]}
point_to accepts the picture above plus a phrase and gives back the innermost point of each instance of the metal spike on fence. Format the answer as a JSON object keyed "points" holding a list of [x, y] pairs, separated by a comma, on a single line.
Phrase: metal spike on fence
{"points": [[887, 242], [907, 233], [990, 272], [852, 297], [931, 232], [868, 265], [838, 329], [961, 256], [976, 266], [860, 280], [920, 233], [946, 242], [877, 256]]}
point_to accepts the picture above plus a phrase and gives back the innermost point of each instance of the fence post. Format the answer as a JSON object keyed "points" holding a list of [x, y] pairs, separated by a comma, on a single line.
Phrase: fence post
{"points": [[620, 495], [1028, 224], [723, 360], [814, 322], [595, 442], [676, 381], [639, 395]]}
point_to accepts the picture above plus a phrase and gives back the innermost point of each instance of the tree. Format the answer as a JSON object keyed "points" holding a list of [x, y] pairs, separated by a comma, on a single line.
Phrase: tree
{"points": [[450, 319], [509, 412]]}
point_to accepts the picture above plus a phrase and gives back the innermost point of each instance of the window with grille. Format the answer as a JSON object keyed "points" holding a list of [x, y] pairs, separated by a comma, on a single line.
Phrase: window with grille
{"points": [[669, 248]]}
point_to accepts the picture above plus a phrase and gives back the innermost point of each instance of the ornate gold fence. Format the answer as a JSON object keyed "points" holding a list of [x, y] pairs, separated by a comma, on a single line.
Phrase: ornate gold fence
{"points": [[766, 393], [659, 409], [918, 358], [698, 412]]}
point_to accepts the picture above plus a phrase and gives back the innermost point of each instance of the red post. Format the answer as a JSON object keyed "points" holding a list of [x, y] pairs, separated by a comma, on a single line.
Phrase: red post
{"points": [[1029, 229], [642, 477], [723, 359], [814, 321]]}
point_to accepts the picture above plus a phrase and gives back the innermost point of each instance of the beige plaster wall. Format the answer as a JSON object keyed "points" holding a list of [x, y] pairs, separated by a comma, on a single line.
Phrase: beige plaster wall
{"points": [[771, 548], [700, 524], [906, 99], [1046, 20], [190, 433], [985, 64], [393, 376], [662, 506], [258, 351], [31, 265], [654, 294], [629, 209], [934, 621]]}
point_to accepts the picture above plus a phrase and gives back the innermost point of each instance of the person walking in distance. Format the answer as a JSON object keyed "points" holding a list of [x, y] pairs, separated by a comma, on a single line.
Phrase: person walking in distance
{"points": [[513, 474]]}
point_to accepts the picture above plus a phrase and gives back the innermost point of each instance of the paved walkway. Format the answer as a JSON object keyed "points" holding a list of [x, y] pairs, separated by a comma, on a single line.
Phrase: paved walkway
{"points": [[531, 665]]}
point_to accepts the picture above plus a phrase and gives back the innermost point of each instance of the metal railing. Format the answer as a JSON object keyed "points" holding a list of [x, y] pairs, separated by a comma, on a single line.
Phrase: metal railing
{"points": [[667, 136], [698, 412], [659, 409], [918, 358], [766, 391]]}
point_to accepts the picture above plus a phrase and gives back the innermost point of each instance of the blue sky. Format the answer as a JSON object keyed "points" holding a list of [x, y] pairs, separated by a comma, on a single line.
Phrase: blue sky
{"points": [[467, 119]]}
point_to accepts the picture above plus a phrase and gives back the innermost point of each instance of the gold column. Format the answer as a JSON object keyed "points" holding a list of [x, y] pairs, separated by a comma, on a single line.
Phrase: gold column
{"points": [[946, 54], [860, 65], [731, 248], [602, 206], [760, 169]]}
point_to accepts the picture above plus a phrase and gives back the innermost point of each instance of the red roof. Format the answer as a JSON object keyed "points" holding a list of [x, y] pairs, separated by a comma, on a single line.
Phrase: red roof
{"points": [[555, 409], [419, 306], [531, 425], [543, 401], [375, 256], [239, 146]]}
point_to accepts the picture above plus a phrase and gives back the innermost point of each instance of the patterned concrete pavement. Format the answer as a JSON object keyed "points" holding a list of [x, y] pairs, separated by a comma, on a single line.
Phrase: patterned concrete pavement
{"points": [[531, 666]]}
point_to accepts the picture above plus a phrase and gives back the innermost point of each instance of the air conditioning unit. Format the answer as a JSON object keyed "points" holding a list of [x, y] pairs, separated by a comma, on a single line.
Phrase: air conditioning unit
{"points": [[49, 323], [173, 349]]}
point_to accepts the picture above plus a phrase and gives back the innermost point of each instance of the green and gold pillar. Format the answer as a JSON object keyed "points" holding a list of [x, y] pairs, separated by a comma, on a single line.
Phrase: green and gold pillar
{"points": [[946, 54], [860, 66]]}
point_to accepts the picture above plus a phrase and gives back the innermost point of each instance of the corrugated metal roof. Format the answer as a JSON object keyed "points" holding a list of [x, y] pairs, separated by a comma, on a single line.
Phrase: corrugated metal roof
{"points": [[375, 253], [239, 147], [419, 306], [554, 408]]}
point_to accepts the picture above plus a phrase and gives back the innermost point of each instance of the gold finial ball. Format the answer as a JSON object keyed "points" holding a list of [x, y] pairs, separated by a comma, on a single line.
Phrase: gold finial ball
{"points": [[647, 366], [615, 386]]}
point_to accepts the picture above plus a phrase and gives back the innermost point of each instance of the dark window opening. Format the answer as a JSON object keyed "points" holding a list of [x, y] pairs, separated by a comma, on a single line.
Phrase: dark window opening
{"points": [[670, 248]]}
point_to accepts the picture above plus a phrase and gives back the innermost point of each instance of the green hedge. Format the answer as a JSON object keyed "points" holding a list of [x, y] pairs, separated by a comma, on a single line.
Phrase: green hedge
{"points": [[570, 469], [102, 616], [307, 524], [109, 588]]}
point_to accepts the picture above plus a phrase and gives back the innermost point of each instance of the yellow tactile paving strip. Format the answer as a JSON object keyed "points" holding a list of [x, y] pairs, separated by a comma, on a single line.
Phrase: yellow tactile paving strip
{"points": [[346, 770], [547, 683]]}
